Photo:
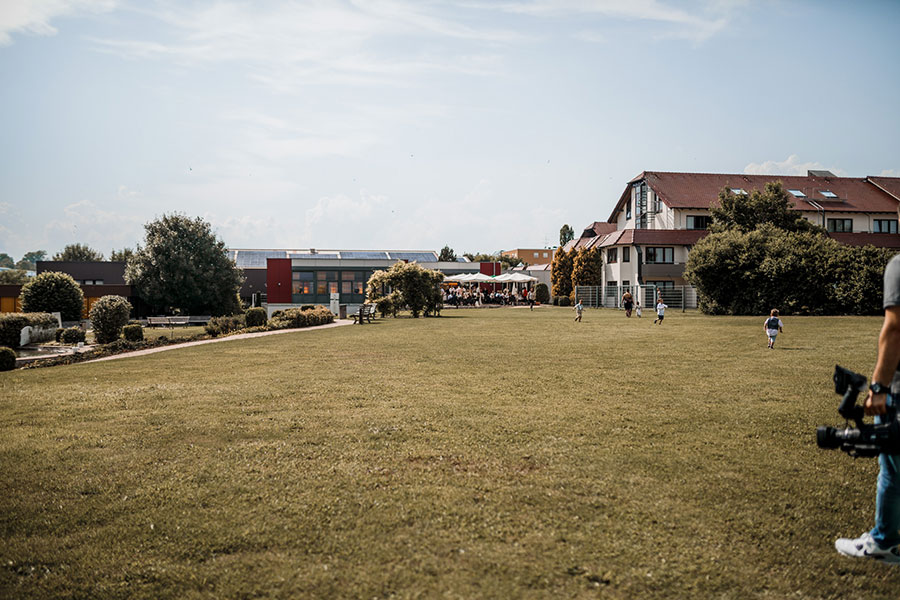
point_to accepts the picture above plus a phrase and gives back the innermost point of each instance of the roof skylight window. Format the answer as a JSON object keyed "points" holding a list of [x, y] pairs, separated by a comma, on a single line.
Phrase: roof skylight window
{"points": [[737, 191], [828, 194], [797, 193]]}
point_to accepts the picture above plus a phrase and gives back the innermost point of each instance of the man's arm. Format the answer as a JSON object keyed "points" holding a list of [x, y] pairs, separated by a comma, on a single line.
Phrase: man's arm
{"points": [[888, 358]]}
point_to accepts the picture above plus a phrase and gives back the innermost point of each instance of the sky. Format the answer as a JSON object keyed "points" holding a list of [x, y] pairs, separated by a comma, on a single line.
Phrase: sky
{"points": [[415, 124]]}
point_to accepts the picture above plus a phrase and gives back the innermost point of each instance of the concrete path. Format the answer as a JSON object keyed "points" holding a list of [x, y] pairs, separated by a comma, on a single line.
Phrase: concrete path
{"points": [[241, 336]]}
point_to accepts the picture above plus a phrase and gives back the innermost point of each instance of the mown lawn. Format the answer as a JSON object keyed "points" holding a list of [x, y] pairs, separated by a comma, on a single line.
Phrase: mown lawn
{"points": [[486, 454]]}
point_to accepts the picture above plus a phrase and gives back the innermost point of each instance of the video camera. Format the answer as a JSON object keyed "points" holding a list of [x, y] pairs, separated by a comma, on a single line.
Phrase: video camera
{"points": [[864, 439]]}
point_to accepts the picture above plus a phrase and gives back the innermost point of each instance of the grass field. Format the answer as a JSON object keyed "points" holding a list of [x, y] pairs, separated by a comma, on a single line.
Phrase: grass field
{"points": [[485, 454]]}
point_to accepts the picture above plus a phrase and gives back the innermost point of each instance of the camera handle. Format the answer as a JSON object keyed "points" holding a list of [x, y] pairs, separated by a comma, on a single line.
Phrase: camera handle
{"points": [[850, 384]]}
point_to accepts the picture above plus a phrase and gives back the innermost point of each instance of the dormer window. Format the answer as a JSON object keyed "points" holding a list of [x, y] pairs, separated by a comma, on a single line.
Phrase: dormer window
{"points": [[797, 193]]}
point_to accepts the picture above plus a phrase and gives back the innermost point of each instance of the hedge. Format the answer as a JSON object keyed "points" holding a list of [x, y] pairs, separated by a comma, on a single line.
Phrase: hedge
{"points": [[11, 325]]}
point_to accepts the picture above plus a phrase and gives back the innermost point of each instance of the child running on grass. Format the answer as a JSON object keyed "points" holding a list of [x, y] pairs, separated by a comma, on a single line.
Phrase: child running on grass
{"points": [[772, 327], [578, 309], [637, 310], [660, 311]]}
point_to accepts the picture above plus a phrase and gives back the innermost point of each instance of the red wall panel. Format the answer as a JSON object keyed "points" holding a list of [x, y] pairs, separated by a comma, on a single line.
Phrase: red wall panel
{"points": [[278, 280]]}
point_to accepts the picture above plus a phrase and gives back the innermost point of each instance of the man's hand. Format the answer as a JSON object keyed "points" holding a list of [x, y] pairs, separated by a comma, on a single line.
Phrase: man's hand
{"points": [[876, 404]]}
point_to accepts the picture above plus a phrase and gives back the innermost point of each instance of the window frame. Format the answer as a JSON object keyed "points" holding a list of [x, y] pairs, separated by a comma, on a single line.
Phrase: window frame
{"points": [[654, 250]]}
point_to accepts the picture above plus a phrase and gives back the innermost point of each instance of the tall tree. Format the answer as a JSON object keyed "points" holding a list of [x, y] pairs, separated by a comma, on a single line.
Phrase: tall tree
{"points": [[561, 273], [29, 261], [78, 253], [13, 277], [587, 268], [184, 266], [447, 254], [7, 261], [506, 262], [566, 235], [746, 212], [121, 255]]}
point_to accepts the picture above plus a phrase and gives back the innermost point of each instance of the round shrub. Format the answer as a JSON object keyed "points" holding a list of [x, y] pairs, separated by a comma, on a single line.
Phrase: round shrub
{"points": [[564, 301], [7, 359], [72, 335], [133, 332], [541, 293], [256, 317], [53, 292], [109, 315]]}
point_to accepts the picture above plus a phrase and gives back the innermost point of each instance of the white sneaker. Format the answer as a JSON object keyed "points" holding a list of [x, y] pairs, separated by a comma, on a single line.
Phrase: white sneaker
{"points": [[865, 547]]}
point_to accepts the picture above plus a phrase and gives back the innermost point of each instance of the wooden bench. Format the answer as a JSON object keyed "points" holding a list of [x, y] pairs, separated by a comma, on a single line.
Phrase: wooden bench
{"points": [[158, 321], [366, 311]]}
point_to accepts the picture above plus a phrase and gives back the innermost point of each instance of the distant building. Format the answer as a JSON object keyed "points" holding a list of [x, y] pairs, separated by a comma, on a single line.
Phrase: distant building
{"points": [[532, 256]]}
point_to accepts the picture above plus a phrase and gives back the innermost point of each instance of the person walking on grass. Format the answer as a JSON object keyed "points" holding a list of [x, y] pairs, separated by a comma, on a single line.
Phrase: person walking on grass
{"points": [[627, 303], [637, 309], [531, 298], [882, 542], [773, 326], [660, 311], [578, 310]]}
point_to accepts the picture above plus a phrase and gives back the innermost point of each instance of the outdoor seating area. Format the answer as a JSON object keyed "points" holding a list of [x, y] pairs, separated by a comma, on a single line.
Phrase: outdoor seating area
{"points": [[179, 320], [365, 313]]}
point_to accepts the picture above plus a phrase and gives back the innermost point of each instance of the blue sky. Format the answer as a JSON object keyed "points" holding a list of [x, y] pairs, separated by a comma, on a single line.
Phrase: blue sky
{"points": [[395, 124]]}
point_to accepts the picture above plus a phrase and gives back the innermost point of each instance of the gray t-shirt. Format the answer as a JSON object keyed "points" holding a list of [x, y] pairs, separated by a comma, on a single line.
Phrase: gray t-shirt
{"points": [[892, 282], [892, 298]]}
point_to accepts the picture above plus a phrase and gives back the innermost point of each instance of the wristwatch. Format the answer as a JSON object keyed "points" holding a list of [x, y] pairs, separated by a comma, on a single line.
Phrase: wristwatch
{"points": [[877, 388]]}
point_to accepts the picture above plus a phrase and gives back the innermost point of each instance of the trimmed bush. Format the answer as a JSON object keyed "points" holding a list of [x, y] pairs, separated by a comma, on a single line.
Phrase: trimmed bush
{"points": [[72, 335], [53, 292], [541, 293], [11, 325], [221, 325], [565, 301], [255, 317], [133, 333], [294, 318], [7, 359], [109, 315]]}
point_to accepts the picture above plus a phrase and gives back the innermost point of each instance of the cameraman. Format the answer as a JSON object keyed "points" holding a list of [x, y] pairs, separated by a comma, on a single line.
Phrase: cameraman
{"points": [[883, 541]]}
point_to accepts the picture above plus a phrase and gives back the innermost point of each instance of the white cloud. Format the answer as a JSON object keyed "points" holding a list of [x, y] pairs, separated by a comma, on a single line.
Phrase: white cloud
{"points": [[890, 173], [789, 166], [693, 26], [34, 16]]}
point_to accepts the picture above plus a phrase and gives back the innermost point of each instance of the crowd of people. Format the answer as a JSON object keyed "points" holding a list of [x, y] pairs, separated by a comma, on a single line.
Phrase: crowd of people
{"points": [[475, 296]]}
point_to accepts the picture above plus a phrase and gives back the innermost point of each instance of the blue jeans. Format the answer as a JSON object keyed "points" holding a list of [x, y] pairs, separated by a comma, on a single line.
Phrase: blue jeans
{"points": [[887, 499]]}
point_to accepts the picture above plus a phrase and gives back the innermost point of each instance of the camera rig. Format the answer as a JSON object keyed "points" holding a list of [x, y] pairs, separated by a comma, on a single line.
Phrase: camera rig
{"points": [[863, 439]]}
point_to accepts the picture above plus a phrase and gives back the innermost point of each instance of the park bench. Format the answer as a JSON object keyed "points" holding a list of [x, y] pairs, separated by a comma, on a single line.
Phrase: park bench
{"points": [[199, 320], [366, 311], [168, 321]]}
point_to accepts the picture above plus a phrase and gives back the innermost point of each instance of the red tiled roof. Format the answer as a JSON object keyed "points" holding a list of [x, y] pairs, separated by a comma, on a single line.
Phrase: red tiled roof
{"points": [[891, 185], [700, 190], [682, 237], [879, 240]]}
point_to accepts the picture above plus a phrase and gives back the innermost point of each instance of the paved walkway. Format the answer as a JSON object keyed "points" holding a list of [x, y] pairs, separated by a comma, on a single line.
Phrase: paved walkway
{"points": [[241, 336]]}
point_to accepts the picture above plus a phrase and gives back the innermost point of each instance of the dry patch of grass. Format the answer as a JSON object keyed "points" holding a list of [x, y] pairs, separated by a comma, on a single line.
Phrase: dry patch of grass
{"points": [[487, 453]]}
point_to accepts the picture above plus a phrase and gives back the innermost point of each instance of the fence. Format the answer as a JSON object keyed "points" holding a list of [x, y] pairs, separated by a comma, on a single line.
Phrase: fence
{"points": [[610, 296]]}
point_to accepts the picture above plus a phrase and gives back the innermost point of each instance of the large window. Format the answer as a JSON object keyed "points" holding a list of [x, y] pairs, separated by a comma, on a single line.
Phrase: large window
{"points": [[698, 221], [626, 254], [612, 255], [885, 226], [302, 282], [840, 225], [659, 255]]}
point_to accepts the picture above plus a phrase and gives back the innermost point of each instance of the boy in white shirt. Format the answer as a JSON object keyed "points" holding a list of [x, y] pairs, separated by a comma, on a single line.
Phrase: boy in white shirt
{"points": [[660, 312], [578, 309]]}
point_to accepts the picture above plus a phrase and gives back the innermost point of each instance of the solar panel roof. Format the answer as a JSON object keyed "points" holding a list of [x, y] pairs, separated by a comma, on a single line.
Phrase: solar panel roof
{"points": [[365, 255], [257, 258], [414, 256], [312, 256]]}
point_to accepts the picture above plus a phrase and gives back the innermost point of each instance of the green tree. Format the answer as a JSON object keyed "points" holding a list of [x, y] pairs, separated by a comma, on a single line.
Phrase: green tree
{"points": [[184, 266], [418, 288], [541, 293], [13, 277], [747, 212], [561, 273], [53, 292], [7, 261], [78, 253], [506, 262], [109, 315], [587, 267], [566, 235], [29, 261], [121, 255], [447, 254]]}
